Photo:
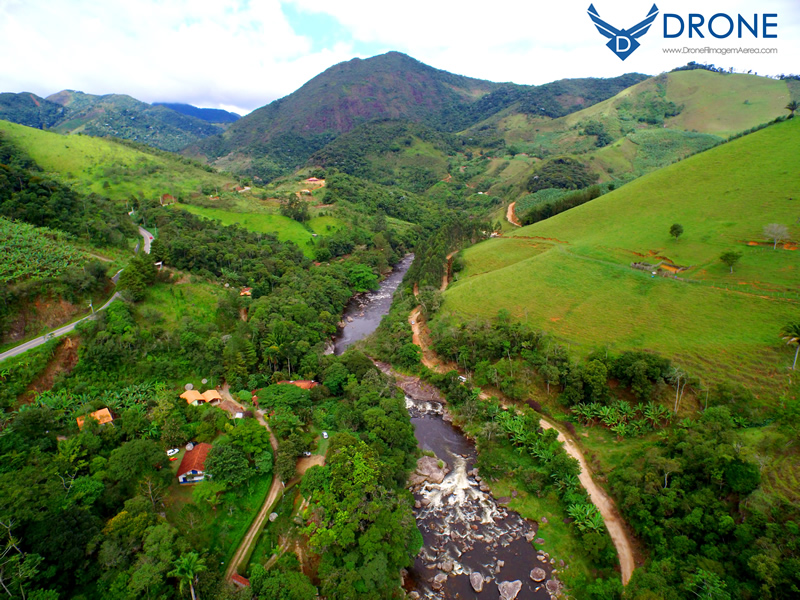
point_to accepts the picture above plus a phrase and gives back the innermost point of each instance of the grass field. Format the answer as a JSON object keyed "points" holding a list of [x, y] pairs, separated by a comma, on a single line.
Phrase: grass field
{"points": [[112, 169], [284, 228], [575, 280], [712, 107]]}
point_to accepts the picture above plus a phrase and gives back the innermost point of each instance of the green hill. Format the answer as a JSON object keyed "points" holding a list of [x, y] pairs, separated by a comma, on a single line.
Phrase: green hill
{"points": [[115, 115], [571, 276], [114, 168], [644, 127]]}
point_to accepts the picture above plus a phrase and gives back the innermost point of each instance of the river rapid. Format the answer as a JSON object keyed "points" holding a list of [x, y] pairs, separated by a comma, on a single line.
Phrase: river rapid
{"points": [[466, 531]]}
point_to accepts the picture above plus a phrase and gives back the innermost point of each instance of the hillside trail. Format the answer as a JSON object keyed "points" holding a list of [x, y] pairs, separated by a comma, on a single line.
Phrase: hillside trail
{"points": [[608, 509], [275, 490], [511, 216]]}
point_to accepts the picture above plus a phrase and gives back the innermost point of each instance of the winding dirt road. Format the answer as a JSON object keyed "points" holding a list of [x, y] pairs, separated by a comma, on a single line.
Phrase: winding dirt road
{"points": [[608, 509], [275, 491], [511, 216]]}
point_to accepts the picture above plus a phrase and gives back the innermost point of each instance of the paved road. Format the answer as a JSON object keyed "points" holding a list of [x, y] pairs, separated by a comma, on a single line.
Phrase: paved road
{"points": [[53, 334], [147, 236]]}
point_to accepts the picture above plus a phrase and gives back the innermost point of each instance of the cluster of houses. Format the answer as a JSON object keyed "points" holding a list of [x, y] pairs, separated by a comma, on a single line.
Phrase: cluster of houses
{"points": [[192, 467]]}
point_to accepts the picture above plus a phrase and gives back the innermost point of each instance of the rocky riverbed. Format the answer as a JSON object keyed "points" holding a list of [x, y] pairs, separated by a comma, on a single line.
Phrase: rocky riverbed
{"points": [[474, 546]]}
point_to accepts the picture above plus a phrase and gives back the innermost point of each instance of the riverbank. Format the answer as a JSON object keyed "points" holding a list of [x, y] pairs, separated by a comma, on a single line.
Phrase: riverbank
{"points": [[475, 545]]}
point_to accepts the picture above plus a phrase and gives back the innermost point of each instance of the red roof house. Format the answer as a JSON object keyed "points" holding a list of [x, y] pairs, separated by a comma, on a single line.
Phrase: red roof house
{"points": [[304, 384], [193, 465], [102, 416], [240, 581]]}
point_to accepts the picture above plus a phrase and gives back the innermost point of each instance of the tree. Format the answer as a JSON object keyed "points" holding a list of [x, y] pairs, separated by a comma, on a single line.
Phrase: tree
{"points": [[776, 232], [187, 567], [707, 586], [791, 107], [730, 258], [228, 465], [676, 230], [791, 334], [208, 491], [295, 208]]}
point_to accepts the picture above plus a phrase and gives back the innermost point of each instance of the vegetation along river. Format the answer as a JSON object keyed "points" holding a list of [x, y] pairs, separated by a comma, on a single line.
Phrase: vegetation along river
{"points": [[471, 541]]}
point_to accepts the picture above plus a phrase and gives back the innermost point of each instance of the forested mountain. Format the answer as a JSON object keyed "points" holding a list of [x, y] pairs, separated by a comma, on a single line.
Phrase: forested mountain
{"points": [[390, 86], [212, 115], [115, 115]]}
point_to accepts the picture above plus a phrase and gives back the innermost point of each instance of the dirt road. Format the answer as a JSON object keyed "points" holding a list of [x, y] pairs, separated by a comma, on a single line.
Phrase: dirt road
{"points": [[608, 510], [606, 506], [275, 491], [511, 216]]}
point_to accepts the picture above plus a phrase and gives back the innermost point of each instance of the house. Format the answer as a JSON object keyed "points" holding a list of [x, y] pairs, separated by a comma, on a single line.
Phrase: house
{"points": [[246, 292], [315, 181], [212, 396], [195, 398], [192, 469], [303, 384], [167, 199], [240, 581], [102, 416]]}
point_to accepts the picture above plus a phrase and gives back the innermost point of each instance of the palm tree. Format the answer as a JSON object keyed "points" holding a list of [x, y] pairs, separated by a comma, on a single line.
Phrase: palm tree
{"points": [[187, 566], [791, 333], [791, 107]]}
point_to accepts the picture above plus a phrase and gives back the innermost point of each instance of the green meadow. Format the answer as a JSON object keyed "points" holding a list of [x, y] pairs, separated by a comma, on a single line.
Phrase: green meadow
{"points": [[570, 275], [118, 171], [284, 228]]}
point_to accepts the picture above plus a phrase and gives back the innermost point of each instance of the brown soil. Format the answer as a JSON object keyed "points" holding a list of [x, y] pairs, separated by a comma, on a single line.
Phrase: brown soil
{"points": [[305, 463], [63, 361], [43, 313], [538, 237], [512, 216]]}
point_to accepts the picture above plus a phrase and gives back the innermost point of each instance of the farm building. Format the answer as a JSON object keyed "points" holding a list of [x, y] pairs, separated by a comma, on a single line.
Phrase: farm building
{"points": [[192, 469], [195, 398], [102, 416]]}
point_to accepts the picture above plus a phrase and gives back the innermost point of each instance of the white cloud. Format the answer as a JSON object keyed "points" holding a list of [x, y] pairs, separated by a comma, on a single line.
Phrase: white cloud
{"points": [[205, 52], [245, 54], [535, 42]]}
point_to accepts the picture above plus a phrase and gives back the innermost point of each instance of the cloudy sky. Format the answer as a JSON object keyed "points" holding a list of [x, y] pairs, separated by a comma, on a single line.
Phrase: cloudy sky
{"points": [[240, 54]]}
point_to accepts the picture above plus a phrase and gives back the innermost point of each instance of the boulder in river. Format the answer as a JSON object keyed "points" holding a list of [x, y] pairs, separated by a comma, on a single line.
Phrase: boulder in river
{"points": [[476, 581], [509, 589], [447, 566], [438, 581], [553, 586], [538, 574], [429, 469]]}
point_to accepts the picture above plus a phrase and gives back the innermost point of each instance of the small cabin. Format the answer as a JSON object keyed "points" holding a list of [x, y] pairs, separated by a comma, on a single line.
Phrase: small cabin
{"points": [[193, 465]]}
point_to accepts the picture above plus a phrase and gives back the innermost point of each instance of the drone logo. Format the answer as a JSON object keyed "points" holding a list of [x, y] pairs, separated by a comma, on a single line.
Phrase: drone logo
{"points": [[623, 41]]}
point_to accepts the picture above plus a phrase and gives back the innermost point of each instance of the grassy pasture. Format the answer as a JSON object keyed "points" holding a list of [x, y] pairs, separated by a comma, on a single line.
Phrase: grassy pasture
{"points": [[284, 228], [106, 167], [574, 280]]}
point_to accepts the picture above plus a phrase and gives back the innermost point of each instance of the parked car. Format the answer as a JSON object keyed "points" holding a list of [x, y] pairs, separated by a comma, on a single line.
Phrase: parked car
{"points": [[462, 379], [306, 454], [324, 435], [173, 451]]}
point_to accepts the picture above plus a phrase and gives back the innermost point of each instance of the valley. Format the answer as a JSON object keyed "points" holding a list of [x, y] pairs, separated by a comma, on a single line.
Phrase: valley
{"points": [[365, 342]]}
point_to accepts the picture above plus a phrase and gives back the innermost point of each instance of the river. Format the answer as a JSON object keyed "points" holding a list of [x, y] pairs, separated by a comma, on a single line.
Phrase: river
{"points": [[464, 528], [364, 312]]}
